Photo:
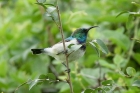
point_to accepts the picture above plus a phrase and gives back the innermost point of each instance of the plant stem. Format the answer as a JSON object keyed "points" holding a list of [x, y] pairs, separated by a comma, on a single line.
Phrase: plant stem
{"points": [[62, 35], [100, 73], [130, 53]]}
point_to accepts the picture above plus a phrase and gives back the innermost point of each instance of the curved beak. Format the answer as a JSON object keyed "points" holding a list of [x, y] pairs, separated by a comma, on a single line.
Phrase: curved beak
{"points": [[91, 27]]}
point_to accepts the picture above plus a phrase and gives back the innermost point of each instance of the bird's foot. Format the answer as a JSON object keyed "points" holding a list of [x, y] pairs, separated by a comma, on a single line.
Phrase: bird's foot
{"points": [[67, 70], [65, 52], [64, 64]]}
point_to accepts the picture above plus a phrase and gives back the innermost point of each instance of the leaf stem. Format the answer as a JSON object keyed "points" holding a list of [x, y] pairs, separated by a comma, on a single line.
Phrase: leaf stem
{"points": [[64, 46], [20, 86]]}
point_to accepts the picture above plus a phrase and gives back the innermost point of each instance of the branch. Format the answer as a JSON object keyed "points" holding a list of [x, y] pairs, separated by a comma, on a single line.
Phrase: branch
{"points": [[64, 46]]}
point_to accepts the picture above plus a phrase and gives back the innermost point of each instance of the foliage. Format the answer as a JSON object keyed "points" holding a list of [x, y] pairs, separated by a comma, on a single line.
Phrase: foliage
{"points": [[24, 24]]}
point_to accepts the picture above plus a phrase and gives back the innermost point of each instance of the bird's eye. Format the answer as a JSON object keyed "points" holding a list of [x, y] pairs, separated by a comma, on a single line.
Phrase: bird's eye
{"points": [[84, 30]]}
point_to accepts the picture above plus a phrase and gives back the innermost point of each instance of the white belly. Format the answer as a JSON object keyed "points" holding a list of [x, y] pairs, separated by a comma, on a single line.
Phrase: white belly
{"points": [[74, 51], [72, 57]]}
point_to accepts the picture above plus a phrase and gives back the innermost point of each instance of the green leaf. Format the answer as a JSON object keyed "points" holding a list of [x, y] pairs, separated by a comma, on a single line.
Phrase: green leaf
{"points": [[137, 40], [51, 9], [4, 68], [48, 14], [136, 56], [108, 82], [3, 83], [75, 47], [118, 37], [50, 4], [43, 76], [95, 46], [91, 75], [99, 88], [118, 59], [64, 87], [130, 13], [41, 1], [102, 46], [136, 4], [121, 13], [130, 19], [88, 91], [130, 71], [41, 5], [122, 73], [33, 83], [70, 45], [136, 83], [51, 76], [107, 64], [134, 13]]}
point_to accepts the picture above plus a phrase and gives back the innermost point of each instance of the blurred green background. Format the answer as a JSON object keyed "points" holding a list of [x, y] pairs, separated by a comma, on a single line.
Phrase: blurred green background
{"points": [[23, 25]]}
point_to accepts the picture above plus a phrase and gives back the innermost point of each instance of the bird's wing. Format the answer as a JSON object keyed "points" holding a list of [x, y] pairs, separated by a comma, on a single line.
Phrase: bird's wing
{"points": [[59, 49]]}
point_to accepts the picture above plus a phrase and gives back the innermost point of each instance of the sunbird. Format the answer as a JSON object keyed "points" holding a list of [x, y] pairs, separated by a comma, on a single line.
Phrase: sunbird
{"points": [[75, 46]]}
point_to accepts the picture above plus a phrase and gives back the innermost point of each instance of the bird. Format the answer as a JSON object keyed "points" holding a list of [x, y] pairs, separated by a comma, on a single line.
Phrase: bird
{"points": [[75, 46]]}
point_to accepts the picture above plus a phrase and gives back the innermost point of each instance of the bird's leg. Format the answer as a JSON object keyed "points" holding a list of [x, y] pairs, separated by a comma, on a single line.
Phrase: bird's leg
{"points": [[65, 52], [70, 53], [67, 70]]}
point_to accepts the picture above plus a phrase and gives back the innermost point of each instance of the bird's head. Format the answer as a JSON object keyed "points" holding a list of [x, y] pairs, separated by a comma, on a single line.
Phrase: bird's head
{"points": [[81, 34]]}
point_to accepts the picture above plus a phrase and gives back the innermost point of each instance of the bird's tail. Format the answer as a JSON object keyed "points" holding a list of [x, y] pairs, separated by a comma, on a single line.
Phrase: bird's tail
{"points": [[37, 51]]}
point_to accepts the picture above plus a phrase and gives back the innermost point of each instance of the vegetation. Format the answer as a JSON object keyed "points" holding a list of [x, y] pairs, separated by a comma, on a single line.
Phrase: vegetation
{"points": [[25, 24]]}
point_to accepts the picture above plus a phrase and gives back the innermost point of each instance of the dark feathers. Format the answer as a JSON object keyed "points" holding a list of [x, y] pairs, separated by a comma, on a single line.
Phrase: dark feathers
{"points": [[37, 51]]}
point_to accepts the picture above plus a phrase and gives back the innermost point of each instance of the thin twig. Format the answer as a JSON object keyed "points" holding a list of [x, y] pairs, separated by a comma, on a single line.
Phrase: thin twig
{"points": [[20, 86], [62, 35], [100, 74], [130, 52]]}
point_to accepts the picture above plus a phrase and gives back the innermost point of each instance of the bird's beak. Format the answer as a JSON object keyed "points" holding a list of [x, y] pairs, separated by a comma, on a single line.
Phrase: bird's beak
{"points": [[91, 27]]}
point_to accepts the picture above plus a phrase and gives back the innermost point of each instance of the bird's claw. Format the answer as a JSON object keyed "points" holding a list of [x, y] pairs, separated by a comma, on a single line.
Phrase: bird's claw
{"points": [[68, 70], [65, 52], [64, 64]]}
